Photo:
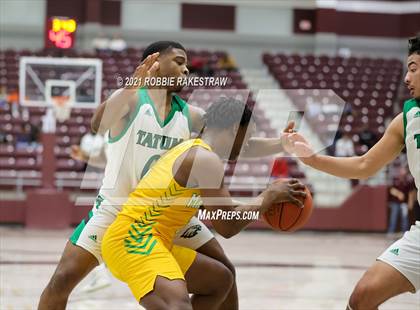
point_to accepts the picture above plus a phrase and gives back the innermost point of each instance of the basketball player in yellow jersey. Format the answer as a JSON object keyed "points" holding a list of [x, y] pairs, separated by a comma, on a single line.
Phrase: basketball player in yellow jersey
{"points": [[142, 125], [138, 247], [397, 270]]}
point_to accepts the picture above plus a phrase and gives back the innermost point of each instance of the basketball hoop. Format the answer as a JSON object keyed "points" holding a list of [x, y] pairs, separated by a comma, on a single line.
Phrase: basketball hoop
{"points": [[61, 107]]}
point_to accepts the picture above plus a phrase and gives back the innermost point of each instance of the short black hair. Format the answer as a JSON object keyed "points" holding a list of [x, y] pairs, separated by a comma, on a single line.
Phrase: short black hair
{"points": [[227, 111], [414, 45], [161, 47]]}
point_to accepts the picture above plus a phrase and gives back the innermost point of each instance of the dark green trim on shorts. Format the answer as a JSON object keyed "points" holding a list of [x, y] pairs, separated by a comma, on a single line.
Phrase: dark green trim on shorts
{"points": [[76, 233]]}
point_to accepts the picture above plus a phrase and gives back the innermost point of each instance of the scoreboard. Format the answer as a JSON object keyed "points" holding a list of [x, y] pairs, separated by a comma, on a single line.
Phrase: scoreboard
{"points": [[60, 32]]}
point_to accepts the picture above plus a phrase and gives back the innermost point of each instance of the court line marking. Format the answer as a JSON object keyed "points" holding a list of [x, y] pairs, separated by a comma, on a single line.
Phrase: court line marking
{"points": [[239, 264]]}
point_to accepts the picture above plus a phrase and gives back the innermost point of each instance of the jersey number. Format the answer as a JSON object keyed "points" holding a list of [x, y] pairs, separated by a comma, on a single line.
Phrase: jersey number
{"points": [[148, 164], [417, 138]]}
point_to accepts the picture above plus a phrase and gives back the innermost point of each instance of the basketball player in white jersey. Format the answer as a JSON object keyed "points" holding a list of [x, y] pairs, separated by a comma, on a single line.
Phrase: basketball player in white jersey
{"points": [[397, 270], [140, 129]]}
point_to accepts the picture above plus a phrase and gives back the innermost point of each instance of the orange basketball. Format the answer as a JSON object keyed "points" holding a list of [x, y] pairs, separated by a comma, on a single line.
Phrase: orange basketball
{"points": [[287, 216]]}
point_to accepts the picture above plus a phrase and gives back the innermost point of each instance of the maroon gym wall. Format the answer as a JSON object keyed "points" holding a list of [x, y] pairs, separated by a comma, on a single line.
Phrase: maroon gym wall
{"points": [[208, 17], [307, 15], [365, 210], [106, 12], [366, 24], [47, 208]]}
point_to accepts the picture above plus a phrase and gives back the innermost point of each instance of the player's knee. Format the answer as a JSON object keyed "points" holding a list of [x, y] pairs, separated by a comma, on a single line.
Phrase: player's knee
{"points": [[57, 291], [213, 249], [224, 279], [183, 306], [222, 258], [228, 264], [180, 304], [360, 298], [58, 284], [63, 281], [175, 302]]}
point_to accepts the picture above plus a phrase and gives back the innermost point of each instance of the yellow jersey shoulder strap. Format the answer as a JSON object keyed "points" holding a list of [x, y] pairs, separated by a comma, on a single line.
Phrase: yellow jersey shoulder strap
{"points": [[200, 142], [183, 147]]}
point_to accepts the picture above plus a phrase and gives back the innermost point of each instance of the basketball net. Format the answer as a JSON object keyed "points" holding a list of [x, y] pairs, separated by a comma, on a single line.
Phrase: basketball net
{"points": [[61, 107]]}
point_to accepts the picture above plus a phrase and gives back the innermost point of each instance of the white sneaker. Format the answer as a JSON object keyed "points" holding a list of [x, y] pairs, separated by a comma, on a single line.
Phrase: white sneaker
{"points": [[98, 280]]}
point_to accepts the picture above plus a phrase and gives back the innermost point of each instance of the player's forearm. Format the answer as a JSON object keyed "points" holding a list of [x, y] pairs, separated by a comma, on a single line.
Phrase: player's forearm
{"points": [[245, 217], [260, 147], [235, 218], [343, 167], [97, 117], [113, 110], [98, 161]]}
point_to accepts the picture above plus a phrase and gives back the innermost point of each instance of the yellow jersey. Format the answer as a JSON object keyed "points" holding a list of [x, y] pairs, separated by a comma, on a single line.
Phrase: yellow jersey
{"points": [[159, 205]]}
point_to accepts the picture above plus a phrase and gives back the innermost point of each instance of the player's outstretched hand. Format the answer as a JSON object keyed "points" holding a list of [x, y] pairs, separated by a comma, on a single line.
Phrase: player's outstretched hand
{"points": [[297, 144], [283, 190], [76, 153], [146, 69], [285, 142], [290, 128]]}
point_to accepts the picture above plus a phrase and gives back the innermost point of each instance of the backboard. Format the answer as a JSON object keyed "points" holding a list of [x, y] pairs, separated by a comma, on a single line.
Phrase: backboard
{"points": [[41, 77]]}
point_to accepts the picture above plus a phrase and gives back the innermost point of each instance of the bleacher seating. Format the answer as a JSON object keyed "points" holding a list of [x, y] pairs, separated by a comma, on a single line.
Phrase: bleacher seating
{"points": [[369, 86], [20, 164]]}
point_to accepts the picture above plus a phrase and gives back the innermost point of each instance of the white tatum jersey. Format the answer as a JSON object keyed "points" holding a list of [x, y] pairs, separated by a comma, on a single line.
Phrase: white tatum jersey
{"points": [[144, 139], [411, 119]]}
